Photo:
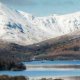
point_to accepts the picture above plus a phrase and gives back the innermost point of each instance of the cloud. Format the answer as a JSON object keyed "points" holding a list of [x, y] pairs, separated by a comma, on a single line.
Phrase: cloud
{"points": [[19, 2]]}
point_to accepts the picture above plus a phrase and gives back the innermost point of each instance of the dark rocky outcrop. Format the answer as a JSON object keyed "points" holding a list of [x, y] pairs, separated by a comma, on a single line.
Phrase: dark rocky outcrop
{"points": [[4, 77], [8, 65]]}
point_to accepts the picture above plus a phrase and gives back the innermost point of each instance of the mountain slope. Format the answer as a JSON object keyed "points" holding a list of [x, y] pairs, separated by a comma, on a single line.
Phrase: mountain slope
{"points": [[56, 24], [23, 28], [15, 28], [65, 47]]}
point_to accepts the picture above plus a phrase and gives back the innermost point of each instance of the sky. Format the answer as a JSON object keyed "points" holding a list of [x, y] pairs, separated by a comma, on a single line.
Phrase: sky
{"points": [[44, 7]]}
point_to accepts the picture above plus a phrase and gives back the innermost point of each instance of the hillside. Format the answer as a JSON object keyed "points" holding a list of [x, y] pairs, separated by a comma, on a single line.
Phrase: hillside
{"points": [[24, 37], [64, 47]]}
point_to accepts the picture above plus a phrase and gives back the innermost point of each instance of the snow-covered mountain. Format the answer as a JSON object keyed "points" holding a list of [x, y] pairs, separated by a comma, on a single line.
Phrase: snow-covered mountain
{"points": [[24, 28]]}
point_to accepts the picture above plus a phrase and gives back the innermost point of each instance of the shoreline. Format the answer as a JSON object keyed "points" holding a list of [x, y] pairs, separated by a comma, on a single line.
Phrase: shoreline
{"points": [[5, 77], [55, 78]]}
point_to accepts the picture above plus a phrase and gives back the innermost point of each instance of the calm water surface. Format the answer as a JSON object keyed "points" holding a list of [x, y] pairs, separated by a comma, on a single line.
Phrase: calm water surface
{"points": [[54, 72]]}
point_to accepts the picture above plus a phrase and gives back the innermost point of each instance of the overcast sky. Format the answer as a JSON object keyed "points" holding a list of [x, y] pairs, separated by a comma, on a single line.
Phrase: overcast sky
{"points": [[44, 7]]}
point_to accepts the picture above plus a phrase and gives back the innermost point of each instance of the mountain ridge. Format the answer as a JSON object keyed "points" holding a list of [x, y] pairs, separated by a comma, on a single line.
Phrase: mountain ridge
{"points": [[23, 28]]}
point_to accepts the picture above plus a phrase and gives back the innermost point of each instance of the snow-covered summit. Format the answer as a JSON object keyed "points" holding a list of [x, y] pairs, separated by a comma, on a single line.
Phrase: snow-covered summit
{"points": [[24, 28]]}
